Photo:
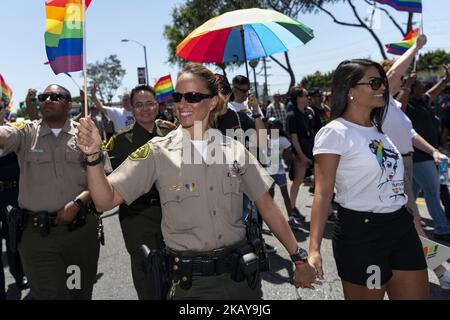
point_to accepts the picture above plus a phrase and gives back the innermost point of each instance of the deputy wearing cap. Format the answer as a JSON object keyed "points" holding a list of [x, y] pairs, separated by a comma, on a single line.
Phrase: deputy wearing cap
{"points": [[201, 199], [59, 246], [141, 220]]}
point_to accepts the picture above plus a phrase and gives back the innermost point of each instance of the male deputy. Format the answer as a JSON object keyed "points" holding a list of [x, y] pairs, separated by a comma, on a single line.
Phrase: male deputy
{"points": [[141, 220], [59, 246]]}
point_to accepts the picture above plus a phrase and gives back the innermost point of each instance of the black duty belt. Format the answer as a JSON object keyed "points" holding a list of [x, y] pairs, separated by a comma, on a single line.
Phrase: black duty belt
{"points": [[212, 263], [37, 216], [8, 184]]}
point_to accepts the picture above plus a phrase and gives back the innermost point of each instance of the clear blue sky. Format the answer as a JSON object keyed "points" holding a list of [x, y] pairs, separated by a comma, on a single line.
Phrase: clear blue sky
{"points": [[22, 51]]}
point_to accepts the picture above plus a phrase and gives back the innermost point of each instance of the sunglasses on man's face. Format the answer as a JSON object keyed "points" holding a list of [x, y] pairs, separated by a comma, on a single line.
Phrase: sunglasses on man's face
{"points": [[54, 97], [190, 97], [374, 83]]}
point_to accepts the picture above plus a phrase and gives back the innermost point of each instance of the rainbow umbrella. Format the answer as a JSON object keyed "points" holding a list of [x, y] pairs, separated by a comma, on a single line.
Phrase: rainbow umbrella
{"points": [[243, 35]]}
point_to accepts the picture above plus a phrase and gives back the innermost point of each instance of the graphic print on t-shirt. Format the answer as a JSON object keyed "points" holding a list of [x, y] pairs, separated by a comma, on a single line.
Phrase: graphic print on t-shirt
{"points": [[129, 121], [388, 161]]}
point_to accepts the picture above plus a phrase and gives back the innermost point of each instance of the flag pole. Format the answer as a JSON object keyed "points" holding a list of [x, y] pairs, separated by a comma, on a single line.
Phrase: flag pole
{"points": [[70, 76], [373, 14], [421, 32], [86, 109]]}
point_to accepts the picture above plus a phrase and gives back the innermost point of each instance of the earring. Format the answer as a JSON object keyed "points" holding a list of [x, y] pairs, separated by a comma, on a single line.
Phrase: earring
{"points": [[352, 98]]}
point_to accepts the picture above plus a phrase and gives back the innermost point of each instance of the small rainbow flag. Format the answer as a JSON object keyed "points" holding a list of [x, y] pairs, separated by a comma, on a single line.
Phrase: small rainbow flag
{"points": [[401, 47], [404, 5], [64, 34], [164, 89], [430, 252], [6, 94]]}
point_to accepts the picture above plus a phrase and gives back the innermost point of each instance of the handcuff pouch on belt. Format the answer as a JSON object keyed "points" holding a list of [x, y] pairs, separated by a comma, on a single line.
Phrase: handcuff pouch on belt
{"points": [[44, 221]]}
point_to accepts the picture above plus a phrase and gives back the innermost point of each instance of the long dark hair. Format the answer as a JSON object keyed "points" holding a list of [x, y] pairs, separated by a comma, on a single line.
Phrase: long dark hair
{"points": [[346, 76]]}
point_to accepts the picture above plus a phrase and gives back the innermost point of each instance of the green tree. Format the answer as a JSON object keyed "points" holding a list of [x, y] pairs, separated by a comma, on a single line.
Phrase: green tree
{"points": [[317, 80], [321, 6], [433, 61], [21, 113], [108, 76]]}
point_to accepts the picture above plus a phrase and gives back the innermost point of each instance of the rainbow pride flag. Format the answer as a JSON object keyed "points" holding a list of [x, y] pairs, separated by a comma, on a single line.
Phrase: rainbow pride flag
{"points": [[6, 93], [401, 47], [404, 5], [64, 34], [164, 89]]}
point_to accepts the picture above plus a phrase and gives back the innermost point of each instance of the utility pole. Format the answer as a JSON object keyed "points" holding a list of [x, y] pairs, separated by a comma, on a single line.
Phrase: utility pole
{"points": [[265, 91]]}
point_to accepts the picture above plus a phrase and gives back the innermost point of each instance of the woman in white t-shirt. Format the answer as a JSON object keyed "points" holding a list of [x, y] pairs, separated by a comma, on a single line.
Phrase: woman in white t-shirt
{"points": [[375, 244]]}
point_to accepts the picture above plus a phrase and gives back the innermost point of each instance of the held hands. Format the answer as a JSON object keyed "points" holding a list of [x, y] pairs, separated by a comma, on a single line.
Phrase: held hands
{"points": [[67, 214], [88, 139], [304, 276]]}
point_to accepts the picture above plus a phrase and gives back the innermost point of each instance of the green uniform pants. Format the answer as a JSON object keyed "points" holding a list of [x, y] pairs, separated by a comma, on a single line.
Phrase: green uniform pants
{"points": [[141, 227], [62, 265], [217, 288]]}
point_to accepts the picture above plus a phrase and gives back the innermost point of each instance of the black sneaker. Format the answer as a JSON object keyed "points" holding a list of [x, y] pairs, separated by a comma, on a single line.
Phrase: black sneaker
{"points": [[442, 237], [22, 283], [296, 214]]}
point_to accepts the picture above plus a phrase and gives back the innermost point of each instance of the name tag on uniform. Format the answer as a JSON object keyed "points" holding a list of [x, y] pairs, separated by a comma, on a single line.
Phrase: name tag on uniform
{"points": [[37, 151]]}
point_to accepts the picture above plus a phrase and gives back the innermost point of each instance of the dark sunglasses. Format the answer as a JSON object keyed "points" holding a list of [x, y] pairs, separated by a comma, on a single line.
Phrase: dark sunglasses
{"points": [[54, 97], [374, 83], [190, 97]]}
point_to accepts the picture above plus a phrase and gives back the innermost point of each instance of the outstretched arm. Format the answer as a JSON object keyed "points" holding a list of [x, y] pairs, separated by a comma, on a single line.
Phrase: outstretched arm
{"points": [[400, 66], [440, 86], [272, 215], [102, 192]]}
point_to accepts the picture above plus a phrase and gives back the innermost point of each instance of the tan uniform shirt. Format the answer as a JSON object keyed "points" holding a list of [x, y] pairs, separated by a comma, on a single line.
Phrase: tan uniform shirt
{"points": [[51, 174], [202, 202]]}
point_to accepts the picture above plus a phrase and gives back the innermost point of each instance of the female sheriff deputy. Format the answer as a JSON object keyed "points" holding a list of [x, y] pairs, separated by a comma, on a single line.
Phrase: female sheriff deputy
{"points": [[201, 199]]}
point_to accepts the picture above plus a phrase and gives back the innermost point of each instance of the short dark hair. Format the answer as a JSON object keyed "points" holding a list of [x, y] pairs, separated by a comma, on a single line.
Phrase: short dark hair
{"points": [[140, 88], [241, 80], [66, 92], [315, 92], [295, 92], [346, 76]]}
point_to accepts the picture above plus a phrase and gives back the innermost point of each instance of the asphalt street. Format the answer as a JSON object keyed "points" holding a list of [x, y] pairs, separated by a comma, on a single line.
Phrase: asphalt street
{"points": [[115, 282]]}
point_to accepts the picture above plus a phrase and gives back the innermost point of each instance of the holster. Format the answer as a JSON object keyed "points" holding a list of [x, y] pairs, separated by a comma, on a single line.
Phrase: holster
{"points": [[250, 259], [15, 221], [80, 219], [157, 272]]}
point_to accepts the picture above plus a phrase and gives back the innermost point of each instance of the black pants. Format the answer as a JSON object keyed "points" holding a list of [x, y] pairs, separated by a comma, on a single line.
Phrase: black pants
{"points": [[13, 258]]}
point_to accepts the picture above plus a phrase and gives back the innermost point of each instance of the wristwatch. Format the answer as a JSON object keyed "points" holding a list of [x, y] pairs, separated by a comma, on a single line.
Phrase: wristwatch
{"points": [[299, 256], [99, 160], [78, 203]]}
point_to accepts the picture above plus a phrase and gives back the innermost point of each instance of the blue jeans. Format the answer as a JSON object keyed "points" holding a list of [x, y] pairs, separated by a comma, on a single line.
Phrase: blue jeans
{"points": [[426, 177]]}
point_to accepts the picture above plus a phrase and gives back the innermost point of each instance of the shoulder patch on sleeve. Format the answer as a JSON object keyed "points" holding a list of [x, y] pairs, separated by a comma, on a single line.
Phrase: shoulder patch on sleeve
{"points": [[141, 153], [18, 125], [109, 145]]}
